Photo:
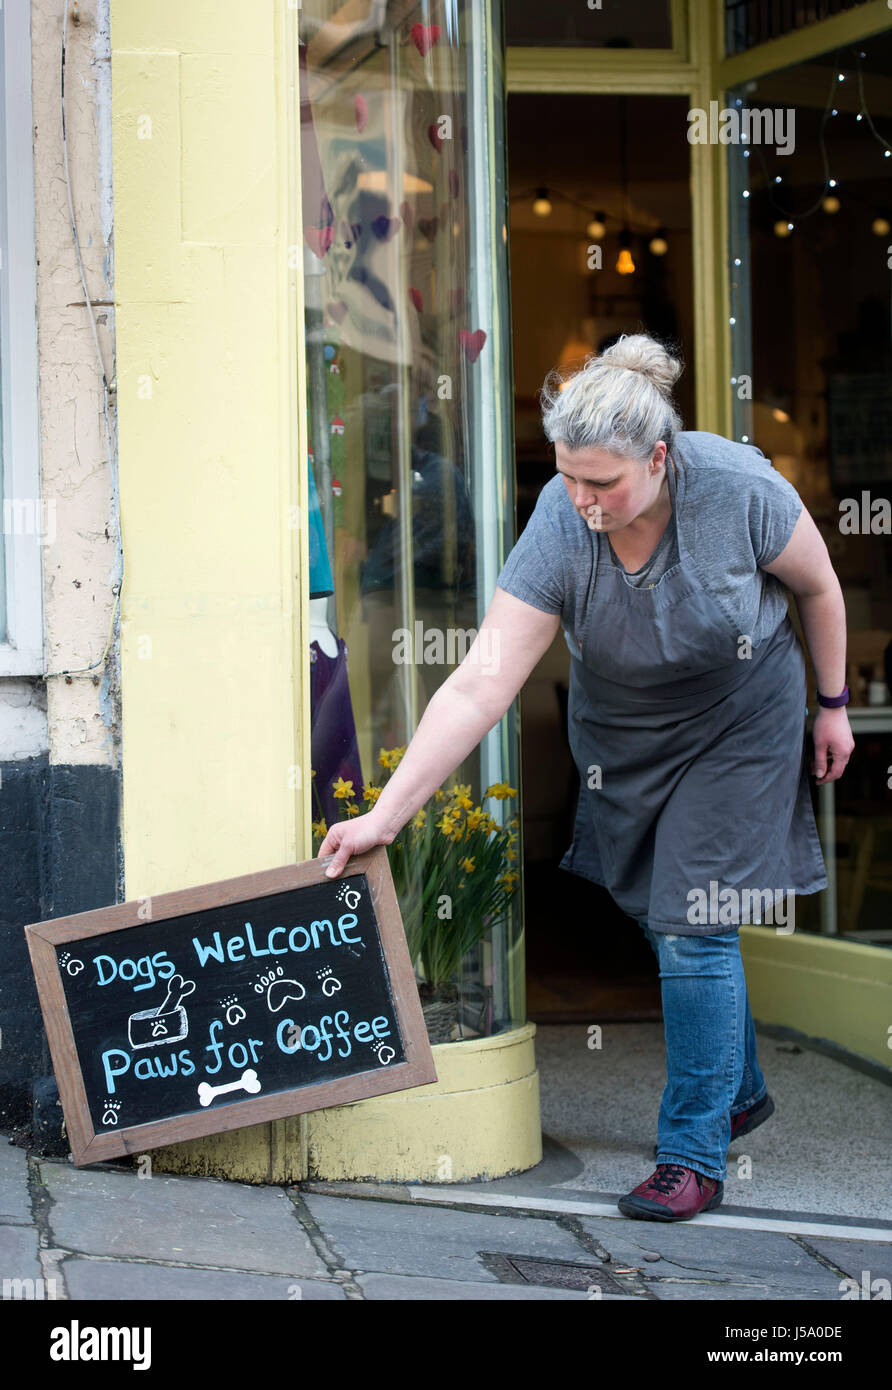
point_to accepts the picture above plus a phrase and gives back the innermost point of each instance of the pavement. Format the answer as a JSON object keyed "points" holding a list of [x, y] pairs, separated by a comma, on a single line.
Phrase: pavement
{"points": [[118, 1231]]}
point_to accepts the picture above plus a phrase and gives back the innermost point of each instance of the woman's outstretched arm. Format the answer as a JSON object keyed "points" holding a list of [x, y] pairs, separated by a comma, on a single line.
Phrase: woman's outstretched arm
{"points": [[512, 638]]}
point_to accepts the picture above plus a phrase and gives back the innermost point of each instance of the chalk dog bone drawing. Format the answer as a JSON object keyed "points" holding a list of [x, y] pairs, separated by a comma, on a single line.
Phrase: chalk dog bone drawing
{"points": [[168, 1023], [248, 1081]]}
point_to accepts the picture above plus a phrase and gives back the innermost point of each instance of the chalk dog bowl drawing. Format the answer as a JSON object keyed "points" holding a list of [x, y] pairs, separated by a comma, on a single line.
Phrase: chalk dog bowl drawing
{"points": [[168, 1023]]}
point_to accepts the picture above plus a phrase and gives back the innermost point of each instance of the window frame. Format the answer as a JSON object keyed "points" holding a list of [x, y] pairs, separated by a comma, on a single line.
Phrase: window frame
{"points": [[21, 633]]}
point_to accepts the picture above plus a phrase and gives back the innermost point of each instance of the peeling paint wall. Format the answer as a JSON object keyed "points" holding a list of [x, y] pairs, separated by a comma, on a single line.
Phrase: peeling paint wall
{"points": [[60, 842], [81, 566]]}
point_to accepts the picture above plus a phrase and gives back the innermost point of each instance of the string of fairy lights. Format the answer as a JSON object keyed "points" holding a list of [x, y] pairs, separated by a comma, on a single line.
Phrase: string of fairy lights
{"points": [[828, 199]]}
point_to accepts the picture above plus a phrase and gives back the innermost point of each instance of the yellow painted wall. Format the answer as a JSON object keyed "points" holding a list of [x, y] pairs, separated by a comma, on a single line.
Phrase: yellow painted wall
{"points": [[215, 709], [823, 986]]}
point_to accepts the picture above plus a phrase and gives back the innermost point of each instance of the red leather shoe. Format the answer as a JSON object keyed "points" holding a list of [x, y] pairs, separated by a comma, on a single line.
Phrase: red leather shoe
{"points": [[746, 1120], [672, 1193], [757, 1114]]}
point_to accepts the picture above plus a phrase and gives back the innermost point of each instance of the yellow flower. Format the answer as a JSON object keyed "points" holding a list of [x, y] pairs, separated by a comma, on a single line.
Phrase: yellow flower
{"points": [[342, 789], [320, 828], [500, 790], [475, 818], [371, 793], [439, 797], [467, 864], [352, 809], [395, 755], [510, 855], [384, 758], [508, 880], [418, 821], [461, 796], [447, 826]]}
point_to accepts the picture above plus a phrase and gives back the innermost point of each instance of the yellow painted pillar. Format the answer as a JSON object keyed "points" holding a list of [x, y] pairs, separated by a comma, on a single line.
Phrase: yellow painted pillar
{"points": [[211, 429], [213, 483]]}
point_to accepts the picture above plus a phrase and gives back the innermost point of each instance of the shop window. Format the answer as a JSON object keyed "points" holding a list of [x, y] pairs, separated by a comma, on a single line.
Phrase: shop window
{"points": [[408, 369], [28, 522], [811, 251], [750, 22], [575, 24]]}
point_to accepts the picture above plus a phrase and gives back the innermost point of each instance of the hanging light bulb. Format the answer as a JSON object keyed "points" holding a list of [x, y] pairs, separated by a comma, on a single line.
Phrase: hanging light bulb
{"points": [[658, 244], [598, 226], [880, 226], [783, 228], [624, 263], [541, 205], [831, 203]]}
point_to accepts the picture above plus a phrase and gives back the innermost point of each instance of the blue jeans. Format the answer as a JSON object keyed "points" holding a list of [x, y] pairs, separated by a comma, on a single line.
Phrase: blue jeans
{"points": [[711, 1067]]}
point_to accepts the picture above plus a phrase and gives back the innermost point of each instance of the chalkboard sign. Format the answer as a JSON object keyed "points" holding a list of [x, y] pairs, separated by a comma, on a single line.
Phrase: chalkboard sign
{"points": [[229, 1004]]}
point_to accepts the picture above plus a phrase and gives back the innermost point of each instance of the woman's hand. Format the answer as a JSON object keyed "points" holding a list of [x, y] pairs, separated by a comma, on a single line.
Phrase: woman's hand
{"points": [[833, 744], [349, 837]]}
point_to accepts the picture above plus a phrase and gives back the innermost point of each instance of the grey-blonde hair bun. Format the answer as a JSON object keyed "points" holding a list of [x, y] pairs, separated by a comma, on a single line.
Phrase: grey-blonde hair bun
{"points": [[601, 407]]}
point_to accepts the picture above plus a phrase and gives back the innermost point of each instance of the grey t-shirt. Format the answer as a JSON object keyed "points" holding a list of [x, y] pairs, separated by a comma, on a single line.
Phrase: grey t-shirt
{"points": [[662, 559], [733, 510]]}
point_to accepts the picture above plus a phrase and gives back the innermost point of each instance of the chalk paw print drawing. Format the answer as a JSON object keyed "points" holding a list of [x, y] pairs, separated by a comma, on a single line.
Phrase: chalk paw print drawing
{"points": [[112, 1109], [330, 983], [70, 964], [279, 989], [234, 1011], [384, 1053], [350, 897]]}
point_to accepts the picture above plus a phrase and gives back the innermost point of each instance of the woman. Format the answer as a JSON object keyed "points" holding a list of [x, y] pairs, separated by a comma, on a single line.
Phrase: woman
{"points": [[662, 553]]}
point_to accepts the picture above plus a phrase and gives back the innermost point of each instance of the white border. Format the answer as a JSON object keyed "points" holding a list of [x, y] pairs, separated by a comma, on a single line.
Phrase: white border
{"points": [[834, 1227]]}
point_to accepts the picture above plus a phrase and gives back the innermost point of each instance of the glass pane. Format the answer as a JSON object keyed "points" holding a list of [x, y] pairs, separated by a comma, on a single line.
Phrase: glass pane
{"points": [[750, 22], [576, 23], [409, 391], [811, 251], [5, 510]]}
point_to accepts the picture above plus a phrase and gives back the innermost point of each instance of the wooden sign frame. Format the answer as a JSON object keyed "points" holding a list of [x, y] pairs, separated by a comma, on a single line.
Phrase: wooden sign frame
{"points": [[89, 1146]]}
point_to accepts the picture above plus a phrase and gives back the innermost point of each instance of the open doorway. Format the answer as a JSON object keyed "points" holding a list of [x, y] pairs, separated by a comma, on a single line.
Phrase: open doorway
{"points": [[600, 244]]}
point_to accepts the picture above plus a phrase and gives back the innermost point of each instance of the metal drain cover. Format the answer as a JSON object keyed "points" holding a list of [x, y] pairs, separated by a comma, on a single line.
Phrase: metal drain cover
{"points": [[551, 1274]]}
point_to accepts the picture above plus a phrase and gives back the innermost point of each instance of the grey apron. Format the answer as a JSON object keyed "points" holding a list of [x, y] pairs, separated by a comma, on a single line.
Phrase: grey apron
{"points": [[701, 755]]}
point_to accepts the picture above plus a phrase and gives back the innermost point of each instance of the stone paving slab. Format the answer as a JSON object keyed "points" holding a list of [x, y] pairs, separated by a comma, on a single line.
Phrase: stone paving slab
{"points": [[418, 1289], [855, 1256], [18, 1254], [395, 1238], [15, 1203], [689, 1291], [199, 1220], [120, 1280], [733, 1256]]}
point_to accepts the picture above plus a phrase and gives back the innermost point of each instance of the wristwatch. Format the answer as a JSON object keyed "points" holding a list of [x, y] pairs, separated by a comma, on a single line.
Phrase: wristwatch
{"points": [[834, 701]]}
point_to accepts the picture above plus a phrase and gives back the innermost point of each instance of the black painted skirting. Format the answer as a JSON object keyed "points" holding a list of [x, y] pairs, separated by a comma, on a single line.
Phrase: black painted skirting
{"points": [[59, 853]]}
